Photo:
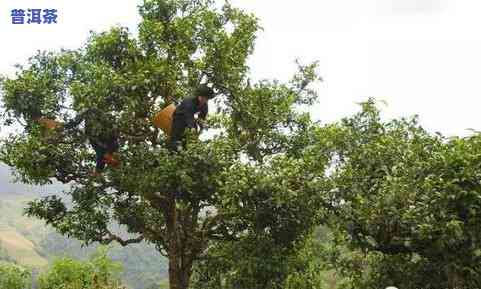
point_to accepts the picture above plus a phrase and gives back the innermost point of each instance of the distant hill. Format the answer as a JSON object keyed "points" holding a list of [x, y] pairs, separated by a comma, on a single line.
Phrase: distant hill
{"points": [[20, 249], [8, 186], [29, 242]]}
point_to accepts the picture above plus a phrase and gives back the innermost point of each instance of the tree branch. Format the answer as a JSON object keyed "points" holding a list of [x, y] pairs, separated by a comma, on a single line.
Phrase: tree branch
{"points": [[112, 237]]}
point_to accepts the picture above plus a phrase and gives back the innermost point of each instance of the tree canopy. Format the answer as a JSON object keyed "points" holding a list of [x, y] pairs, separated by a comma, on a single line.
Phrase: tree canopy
{"points": [[246, 178], [410, 203]]}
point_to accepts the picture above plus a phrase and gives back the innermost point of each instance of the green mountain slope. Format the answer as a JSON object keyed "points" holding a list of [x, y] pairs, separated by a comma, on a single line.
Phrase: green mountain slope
{"points": [[31, 243], [20, 249]]}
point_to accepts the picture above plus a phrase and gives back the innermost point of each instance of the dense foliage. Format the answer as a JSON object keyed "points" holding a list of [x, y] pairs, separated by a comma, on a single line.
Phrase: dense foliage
{"points": [[261, 264], [408, 204], [13, 277], [99, 272]]}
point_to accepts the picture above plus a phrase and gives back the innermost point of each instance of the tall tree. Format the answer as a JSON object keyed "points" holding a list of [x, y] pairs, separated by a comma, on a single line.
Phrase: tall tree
{"points": [[260, 172], [410, 201]]}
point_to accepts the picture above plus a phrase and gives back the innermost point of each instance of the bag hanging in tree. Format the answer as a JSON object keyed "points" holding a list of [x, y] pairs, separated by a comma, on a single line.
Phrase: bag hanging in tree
{"points": [[49, 123], [163, 119]]}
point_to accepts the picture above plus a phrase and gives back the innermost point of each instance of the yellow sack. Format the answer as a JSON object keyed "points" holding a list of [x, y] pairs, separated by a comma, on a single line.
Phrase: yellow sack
{"points": [[163, 119]]}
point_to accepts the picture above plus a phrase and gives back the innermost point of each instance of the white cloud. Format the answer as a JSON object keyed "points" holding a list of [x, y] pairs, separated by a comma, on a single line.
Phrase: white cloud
{"points": [[411, 6], [76, 19], [421, 63]]}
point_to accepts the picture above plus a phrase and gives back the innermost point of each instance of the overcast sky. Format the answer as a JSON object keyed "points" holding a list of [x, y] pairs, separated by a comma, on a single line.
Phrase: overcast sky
{"points": [[421, 56]]}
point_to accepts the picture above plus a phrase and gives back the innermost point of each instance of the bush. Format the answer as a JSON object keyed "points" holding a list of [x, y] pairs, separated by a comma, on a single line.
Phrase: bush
{"points": [[100, 272], [13, 277]]}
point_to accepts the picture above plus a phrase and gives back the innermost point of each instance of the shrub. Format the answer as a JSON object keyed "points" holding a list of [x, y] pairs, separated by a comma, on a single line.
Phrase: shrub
{"points": [[100, 272], [13, 277]]}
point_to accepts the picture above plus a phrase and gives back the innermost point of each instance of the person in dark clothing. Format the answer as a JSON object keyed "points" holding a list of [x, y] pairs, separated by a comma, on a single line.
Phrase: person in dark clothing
{"points": [[184, 116], [102, 133]]}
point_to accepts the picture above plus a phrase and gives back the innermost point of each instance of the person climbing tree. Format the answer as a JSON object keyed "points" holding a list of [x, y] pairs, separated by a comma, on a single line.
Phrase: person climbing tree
{"points": [[103, 136], [184, 116]]}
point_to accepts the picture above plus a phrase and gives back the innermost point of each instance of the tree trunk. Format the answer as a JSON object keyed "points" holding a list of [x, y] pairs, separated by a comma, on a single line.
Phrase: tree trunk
{"points": [[176, 278], [179, 278], [180, 267]]}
